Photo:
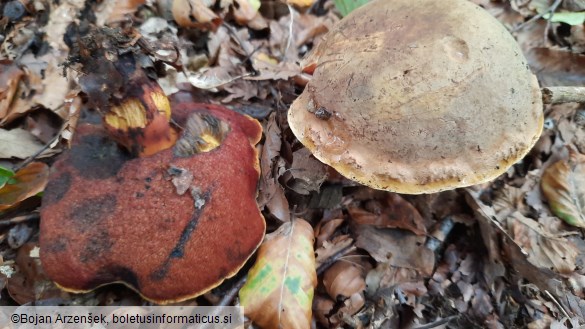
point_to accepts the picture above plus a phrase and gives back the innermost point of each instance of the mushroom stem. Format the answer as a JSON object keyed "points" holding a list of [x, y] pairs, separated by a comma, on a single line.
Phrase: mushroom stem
{"points": [[558, 95]]}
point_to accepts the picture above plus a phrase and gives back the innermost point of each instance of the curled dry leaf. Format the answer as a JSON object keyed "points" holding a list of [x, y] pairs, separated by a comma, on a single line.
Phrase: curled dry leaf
{"points": [[343, 279], [396, 247], [10, 75], [194, 13], [116, 11], [545, 250], [28, 182], [563, 185], [271, 195], [395, 213], [279, 290]]}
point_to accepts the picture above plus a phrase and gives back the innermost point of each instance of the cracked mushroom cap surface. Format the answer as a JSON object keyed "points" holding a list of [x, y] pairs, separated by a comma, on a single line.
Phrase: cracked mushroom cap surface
{"points": [[418, 97], [172, 225]]}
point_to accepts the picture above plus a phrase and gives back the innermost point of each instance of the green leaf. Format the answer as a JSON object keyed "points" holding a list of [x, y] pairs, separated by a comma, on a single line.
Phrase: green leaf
{"points": [[571, 18], [347, 6], [6, 176]]}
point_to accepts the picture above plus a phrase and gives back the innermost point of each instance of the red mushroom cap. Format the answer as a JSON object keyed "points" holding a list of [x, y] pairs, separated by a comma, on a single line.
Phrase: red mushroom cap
{"points": [[108, 218]]}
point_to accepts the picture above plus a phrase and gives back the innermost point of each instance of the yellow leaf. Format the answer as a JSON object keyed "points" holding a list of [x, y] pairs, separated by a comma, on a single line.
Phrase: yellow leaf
{"points": [[301, 3], [279, 290], [563, 185]]}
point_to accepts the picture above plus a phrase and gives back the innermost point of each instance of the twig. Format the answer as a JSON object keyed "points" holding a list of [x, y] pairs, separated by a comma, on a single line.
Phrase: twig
{"points": [[329, 261], [437, 323], [558, 305], [227, 298], [290, 31], [39, 152], [248, 59], [18, 220], [550, 11], [558, 95]]}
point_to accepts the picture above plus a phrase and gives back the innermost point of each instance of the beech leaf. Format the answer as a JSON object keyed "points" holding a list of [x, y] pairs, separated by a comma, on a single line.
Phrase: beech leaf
{"points": [[279, 290], [26, 183], [563, 185]]}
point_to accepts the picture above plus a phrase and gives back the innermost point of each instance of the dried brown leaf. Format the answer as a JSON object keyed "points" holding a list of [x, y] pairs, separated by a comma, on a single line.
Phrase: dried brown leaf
{"points": [[271, 194], [30, 283], [343, 279], [396, 247], [62, 14], [18, 143], [544, 249], [325, 230], [116, 11], [330, 249], [395, 213], [10, 76], [43, 84], [499, 244], [195, 13], [29, 181], [563, 185], [384, 279], [307, 172], [279, 290]]}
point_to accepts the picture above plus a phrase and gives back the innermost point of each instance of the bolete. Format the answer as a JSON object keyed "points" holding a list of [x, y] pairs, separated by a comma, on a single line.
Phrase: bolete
{"points": [[418, 96], [171, 225]]}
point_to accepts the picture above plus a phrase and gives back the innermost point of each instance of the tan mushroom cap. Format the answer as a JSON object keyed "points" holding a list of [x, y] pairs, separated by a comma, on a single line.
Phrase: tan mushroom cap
{"points": [[423, 95]]}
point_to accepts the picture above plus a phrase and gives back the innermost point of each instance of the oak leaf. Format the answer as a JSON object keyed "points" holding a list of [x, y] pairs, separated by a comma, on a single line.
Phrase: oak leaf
{"points": [[279, 290]]}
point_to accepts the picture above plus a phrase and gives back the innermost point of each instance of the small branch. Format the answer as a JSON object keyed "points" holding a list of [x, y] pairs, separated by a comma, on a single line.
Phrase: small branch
{"points": [[558, 95], [18, 220]]}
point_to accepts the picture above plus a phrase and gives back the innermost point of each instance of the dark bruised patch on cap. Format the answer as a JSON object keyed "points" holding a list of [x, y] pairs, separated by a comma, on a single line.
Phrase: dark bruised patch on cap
{"points": [[97, 156], [112, 274], [56, 188], [90, 212], [56, 246], [96, 247], [179, 250]]}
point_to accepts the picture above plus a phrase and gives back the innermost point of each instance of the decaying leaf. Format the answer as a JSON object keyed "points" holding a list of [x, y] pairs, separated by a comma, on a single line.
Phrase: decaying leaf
{"points": [[394, 212], [116, 11], [18, 143], [307, 173], [563, 185], [544, 249], [28, 182], [501, 245], [10, 75], [30, 283], [271, 194], [396, 247], [343, 279], [279, 290], [194, 13]]}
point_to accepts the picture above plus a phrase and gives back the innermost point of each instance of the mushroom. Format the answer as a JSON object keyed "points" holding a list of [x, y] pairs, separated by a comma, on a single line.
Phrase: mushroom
{"points": [[418, 97], [171, 225]]}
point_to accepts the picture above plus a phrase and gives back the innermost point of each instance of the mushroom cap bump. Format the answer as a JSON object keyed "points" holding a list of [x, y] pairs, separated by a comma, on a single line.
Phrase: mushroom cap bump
{"points": [[110, 218], [420, 96]]}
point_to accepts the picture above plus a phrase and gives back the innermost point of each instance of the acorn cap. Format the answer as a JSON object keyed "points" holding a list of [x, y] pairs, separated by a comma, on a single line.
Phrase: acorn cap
{"points": [[172, 225], [418, 97]]}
